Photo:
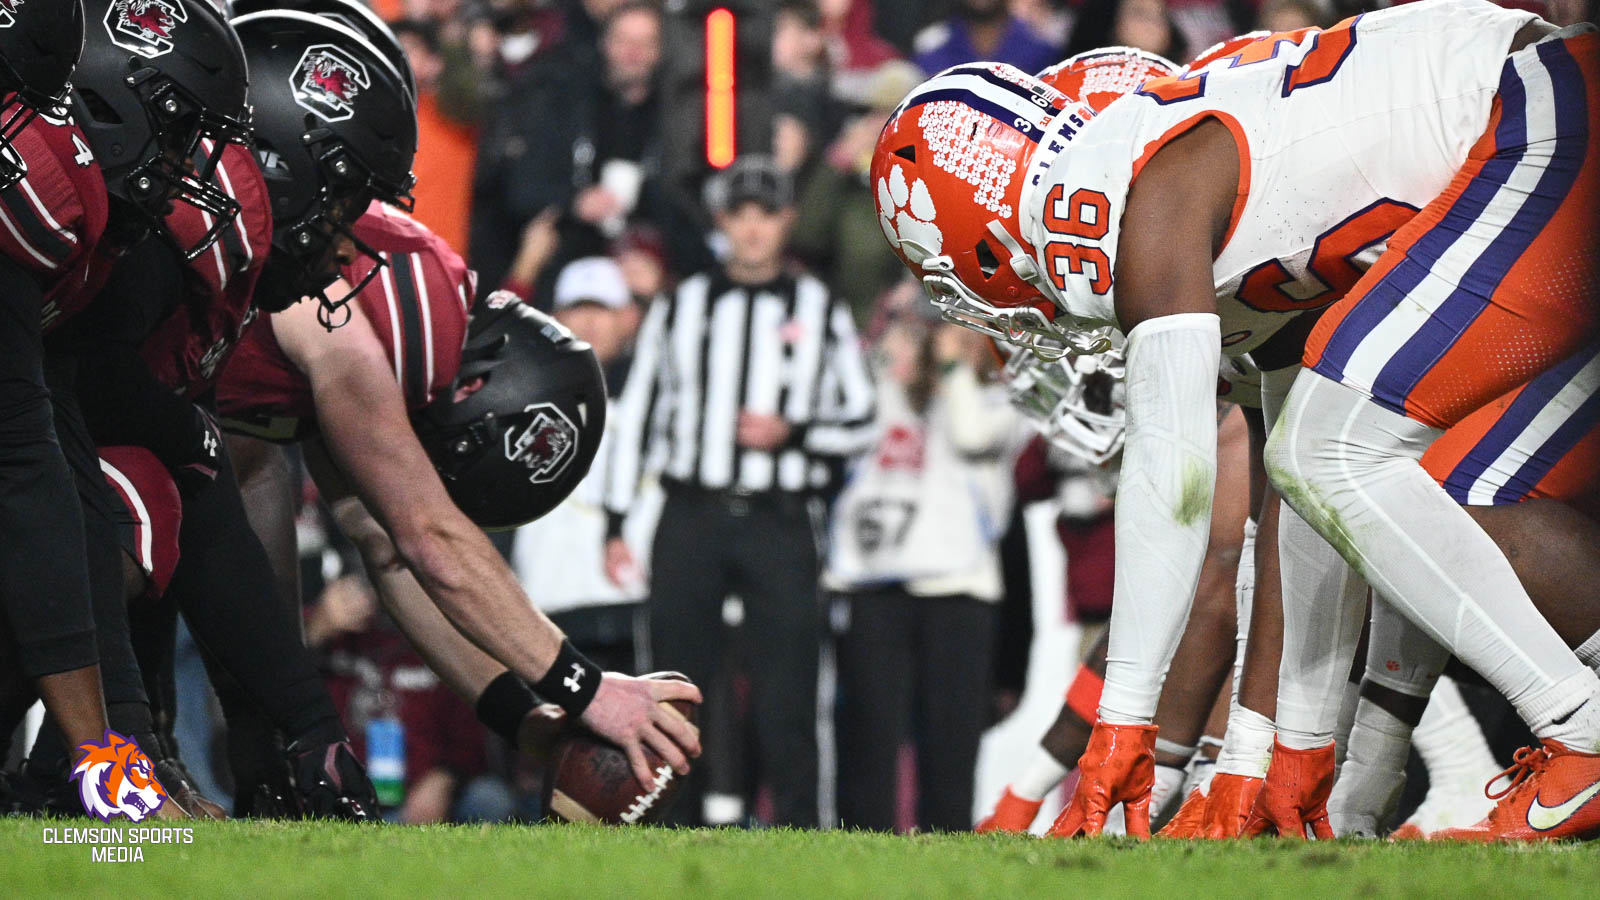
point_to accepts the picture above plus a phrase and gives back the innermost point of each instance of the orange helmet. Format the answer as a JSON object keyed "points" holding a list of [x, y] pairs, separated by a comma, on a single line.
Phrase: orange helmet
{"points": [[947, 175], [1097, 77]]}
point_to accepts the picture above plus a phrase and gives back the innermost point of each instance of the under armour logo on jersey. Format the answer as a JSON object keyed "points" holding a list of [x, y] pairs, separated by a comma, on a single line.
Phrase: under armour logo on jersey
{"points": [[575, 680]]}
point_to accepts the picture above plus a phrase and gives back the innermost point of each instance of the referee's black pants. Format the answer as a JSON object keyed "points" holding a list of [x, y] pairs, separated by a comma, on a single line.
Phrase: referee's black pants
{"points": [[912, 669], [763, 548]]}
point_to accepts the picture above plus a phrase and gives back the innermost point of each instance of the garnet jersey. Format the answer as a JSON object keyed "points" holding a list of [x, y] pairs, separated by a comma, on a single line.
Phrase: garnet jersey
{"points": [[1343, 135], [417, 306], [186, 350], [51, 221], [154, 512]]}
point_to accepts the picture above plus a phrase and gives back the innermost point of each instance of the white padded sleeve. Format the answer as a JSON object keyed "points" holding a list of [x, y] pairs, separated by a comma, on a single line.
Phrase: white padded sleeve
{"points": [[1169, 471]]}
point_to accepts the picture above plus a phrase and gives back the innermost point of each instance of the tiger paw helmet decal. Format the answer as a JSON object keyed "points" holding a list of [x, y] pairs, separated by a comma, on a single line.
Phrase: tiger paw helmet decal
{"points": [[144, 26], [115, 778], [905, 211]]}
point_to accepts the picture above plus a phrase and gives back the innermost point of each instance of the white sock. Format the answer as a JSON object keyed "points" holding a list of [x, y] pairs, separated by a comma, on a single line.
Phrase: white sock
{"points": [[1353, 465], [1567, 711], [1367, 791], [1449, 740], [1589, 651], [1347, 720], [1458, 759], [1247, 747], [1199, 778], [1173, 748], [1039, 777], [1166, 794]]}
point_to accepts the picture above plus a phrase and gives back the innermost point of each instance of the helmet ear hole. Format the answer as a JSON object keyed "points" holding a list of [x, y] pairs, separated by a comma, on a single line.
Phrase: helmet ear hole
{"points": [[907, 153], [988, 263], [98, 108]]}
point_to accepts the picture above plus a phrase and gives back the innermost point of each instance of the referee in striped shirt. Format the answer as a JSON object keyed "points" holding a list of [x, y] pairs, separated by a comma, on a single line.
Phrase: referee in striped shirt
{"points": [[747, 391]]}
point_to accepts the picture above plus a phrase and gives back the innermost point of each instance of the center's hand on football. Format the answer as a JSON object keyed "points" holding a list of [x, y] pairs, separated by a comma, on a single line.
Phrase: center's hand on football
{"points": [[633, 714]]}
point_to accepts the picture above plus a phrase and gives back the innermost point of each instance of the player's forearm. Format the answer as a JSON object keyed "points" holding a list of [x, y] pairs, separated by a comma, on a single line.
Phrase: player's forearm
{"points": [[472, 585], [462, 665], [1163, 509]]}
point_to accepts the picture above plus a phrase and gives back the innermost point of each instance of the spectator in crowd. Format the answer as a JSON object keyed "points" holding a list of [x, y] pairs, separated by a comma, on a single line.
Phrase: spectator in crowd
{"points": [[642, 254], [420, 743], [749, 386], [914, 549], [1085, 498], [447, 141], [1143, 24], [1288, 15], [1049, 19], [983, 30], [558, 557], [805, 114], [838, 231], [584, 140], [854, 48]]}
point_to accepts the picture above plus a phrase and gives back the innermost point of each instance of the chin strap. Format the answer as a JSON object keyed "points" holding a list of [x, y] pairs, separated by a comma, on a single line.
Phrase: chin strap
{"points": [[1021, 260]]}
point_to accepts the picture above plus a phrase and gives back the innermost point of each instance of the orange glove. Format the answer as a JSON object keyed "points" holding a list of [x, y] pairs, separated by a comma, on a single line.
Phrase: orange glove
{"points": [[1119, 766], [1294, 795]]}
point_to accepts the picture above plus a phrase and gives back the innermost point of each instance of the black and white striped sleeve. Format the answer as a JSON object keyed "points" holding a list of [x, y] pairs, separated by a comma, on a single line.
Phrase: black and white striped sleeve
{"points": [[630, 420], [846, 400]]}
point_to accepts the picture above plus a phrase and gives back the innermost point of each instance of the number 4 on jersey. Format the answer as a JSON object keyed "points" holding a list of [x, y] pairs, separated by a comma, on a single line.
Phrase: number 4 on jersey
{"points": [[85, 156], [1328, 51]]}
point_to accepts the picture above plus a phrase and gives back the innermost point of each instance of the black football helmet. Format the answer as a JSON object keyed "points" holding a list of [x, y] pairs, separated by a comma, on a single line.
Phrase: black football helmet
{"points": [[335, 130], [523, 420], [353, 14], [158, 77], [39, 47]]}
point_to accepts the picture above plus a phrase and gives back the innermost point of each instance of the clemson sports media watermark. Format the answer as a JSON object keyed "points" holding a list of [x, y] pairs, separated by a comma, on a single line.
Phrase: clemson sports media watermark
{"points": [[116, 780]]}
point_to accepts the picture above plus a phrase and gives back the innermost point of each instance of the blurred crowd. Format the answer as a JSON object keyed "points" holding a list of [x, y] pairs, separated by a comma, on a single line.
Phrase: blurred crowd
{"points": [[547, 159]]}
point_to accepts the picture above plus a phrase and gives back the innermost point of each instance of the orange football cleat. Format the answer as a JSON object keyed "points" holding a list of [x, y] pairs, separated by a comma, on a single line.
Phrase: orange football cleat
{"points": [[1294, 795], [1228, 805], [1408, 832], [1012, 813], [1553, 793], [1190, 822], [1119, 766]]}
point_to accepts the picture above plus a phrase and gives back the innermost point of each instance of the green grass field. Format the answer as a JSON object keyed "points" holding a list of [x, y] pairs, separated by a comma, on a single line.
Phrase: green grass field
{"points": [[254, 860]]}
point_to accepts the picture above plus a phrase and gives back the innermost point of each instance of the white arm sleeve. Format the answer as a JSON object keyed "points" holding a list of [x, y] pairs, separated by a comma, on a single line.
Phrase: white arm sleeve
{"points": [[1163, 513]]}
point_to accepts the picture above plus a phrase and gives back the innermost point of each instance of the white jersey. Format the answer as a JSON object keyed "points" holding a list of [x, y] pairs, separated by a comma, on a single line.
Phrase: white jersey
{"points": [[1344, 134]]}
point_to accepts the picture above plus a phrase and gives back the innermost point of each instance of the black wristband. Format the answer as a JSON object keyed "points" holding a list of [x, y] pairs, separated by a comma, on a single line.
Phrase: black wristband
{"points": [[504, 704], [571, 682]]}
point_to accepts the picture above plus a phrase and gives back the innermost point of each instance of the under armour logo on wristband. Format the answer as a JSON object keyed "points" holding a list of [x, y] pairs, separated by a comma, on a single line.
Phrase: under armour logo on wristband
{"points": [[575, 679]]}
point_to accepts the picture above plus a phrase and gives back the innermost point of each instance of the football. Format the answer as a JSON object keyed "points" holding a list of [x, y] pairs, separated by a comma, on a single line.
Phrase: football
{"points": [[588, 778]]}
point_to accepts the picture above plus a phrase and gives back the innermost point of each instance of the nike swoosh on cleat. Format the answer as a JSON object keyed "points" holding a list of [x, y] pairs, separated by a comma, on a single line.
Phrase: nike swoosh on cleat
{"points": [[1544, 818]]}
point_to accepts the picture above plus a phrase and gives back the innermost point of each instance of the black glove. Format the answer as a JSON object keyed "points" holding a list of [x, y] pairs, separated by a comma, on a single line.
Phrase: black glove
{"points": [[331, 783]]}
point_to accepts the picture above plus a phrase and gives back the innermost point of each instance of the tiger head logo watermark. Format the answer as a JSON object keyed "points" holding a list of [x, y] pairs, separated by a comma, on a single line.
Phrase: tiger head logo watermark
{"points": [[115, 778]]}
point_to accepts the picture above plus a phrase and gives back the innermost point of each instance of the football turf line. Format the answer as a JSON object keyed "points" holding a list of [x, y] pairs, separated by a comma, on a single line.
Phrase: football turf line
{"points": [[256, 860]]}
